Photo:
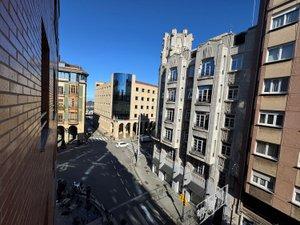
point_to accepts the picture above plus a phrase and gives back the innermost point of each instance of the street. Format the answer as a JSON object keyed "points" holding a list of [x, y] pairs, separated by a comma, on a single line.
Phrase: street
{"points": [[112, 183]]}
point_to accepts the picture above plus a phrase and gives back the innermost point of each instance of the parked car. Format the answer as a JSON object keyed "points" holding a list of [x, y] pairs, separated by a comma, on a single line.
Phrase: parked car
{"points": [[121, 144], [145, 138]]}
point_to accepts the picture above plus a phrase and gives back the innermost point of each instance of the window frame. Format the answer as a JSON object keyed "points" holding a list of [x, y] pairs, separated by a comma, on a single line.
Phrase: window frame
{"points": [[173, 77], [280, 52], [169, 134], [275, 115], [172, 92], [235, 90], [267, 147], [226, 146], [230, 118], [236, 56], [203, 119], [266, 178], [202, 145], [295, 192], [271, 92], [205, 94], [207, 67], [170, 115], [283, 13]]}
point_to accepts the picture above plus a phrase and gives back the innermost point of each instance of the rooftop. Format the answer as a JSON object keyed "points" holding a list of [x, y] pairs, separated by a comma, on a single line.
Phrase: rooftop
{"points": [[66, 67]]}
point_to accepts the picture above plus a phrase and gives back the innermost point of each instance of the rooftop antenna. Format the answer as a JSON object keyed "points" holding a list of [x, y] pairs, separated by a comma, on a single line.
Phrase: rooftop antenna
{"points": [[253, 12]]}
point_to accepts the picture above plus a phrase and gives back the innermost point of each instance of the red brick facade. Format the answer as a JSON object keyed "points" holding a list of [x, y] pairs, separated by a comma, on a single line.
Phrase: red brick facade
{"points": [[27, 152]]}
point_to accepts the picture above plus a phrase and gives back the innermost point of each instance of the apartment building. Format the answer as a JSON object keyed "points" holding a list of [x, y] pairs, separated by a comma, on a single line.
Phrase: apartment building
{"points": [[204, 109], [28, 88], [72, 86], [273, 177], [119, 104]]}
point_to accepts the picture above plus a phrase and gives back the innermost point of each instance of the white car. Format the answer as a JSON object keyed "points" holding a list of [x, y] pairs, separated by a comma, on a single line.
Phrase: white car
{"points": [[121, 144]]}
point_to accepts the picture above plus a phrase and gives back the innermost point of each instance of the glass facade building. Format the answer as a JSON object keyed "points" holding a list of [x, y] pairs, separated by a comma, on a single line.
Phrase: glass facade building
{"points": [[121, 95]]}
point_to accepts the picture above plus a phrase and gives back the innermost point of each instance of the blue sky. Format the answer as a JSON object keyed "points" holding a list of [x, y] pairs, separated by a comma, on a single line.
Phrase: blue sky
{"points": [[106, 36]]}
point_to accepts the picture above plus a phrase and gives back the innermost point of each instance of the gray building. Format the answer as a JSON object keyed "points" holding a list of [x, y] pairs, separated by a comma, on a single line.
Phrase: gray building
{"points": [[204, 108]]}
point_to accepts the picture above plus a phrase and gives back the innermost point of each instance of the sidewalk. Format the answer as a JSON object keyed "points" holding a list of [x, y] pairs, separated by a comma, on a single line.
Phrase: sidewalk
{"points": [[160, 191]]}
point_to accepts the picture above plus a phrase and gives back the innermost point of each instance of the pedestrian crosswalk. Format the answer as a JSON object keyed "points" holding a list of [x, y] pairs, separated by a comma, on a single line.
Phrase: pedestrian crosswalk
{"points": [[95, 139], [144, 213]]}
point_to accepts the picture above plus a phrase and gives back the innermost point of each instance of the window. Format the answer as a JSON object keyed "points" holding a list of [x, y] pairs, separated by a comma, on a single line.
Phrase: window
{"points": [[222, 179], [173, 74], [142, 98], [148, 99], [142, 106], [247, 222], [170, 115], [137, 89], [191, 71], [60, 117], [63, 75], [229, 121], [136, 98], [275, 86], [236, 62], [207, 67], [147, 107], [232, 92], [135, 106], [274, 119], [285, 18], [200, 169], [73, 89], [152, 107], [204, 93], [168, 134], [296, 196], [73, 116], [171, 94], [135, 115], [202, 119], [263, 181], [153, 92], [199, 145], [280, 52], [152, 99], [60, 90], [148, 91], [225, 149], [151, 115], [267, 150], [143, 90]]}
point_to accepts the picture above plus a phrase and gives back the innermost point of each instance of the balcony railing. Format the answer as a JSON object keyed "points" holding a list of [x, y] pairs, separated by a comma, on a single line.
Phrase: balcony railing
{"points": [[226, 135], [223, 163], [233, 79]]}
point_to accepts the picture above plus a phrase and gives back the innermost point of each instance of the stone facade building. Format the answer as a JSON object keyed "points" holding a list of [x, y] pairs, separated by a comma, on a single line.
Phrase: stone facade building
{"points": [[204, 108], [273, 177], [28, 73], [119, 103], [72, 86]]}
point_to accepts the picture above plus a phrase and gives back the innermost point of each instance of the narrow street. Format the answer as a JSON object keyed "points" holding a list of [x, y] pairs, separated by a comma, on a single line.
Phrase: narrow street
{"points": [[111, 182]]}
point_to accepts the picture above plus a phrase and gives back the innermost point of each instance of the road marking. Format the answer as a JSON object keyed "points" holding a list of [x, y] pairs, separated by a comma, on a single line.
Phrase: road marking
{"points": [[88, 171], [141, 217], [130, 200], [148, 215], [64, 166], [128, 193]]}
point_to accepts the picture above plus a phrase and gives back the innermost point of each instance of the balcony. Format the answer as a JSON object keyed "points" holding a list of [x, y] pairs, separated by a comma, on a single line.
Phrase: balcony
{"points": [[193, 151], [230, 107], [73, 121], [223, 163], [198, 102], [198, 178], [226, 135], [61, 107]]}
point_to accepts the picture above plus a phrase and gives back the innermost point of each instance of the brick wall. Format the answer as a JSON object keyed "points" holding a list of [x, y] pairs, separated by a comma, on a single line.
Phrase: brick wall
{"points": [[27, 170]]}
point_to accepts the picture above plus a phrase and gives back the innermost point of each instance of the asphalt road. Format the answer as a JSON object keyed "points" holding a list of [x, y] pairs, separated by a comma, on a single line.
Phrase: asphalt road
{"points": [[112, 184]]}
